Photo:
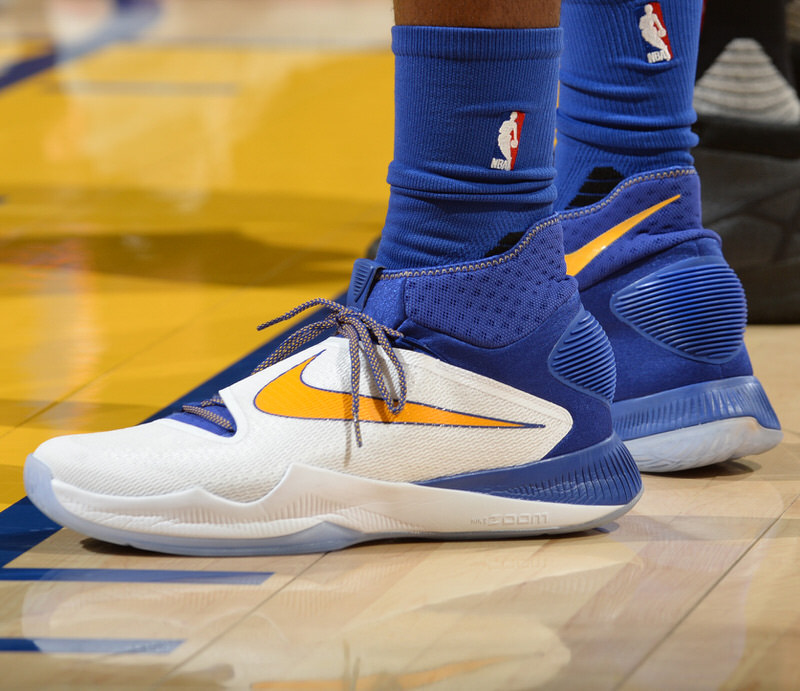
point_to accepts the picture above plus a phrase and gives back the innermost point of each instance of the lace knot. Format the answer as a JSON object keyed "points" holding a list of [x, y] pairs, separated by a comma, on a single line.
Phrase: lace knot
{"points": [[363, 333]]}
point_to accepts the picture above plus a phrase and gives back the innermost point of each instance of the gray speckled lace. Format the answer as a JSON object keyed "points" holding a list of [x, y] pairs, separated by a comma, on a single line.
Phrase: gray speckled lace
{"points": [[363, 334]]}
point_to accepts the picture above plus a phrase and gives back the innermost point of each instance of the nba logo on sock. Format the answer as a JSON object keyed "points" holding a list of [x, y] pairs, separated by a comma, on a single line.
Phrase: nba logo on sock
{"points": [[651, 24], [508, 141]]}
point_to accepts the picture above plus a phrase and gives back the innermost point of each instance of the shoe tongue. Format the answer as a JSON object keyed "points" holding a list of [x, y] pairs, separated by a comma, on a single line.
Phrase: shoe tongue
{"points": [[207, 424], [380, 299], [365, 274]]}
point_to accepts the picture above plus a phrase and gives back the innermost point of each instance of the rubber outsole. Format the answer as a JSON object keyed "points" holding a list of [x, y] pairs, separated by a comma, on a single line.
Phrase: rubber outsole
{"points": [[698, 425], [368, 510], [702, 445]]}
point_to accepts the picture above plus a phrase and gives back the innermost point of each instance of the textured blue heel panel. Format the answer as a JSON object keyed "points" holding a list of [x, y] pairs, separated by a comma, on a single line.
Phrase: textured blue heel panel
{"points": [[694, 307], [601, 475], [645, 366], [693, 405], [583, 358]]}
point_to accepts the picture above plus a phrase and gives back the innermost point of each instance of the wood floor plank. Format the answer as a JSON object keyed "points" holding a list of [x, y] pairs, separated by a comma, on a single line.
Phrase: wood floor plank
{"points": [[746, 633]]}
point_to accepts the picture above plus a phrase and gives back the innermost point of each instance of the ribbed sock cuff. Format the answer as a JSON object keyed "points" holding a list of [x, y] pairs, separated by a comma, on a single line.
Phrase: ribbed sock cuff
{"points": [[456, 43]]}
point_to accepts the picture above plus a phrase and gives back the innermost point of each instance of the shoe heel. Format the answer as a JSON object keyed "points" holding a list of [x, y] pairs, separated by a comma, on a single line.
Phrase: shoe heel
{"points": [[604, 474], [697, 425], [695, 308]]}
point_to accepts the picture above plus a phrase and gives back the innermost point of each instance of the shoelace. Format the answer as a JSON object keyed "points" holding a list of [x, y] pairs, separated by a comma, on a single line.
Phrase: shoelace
{"points": [[359, 330]]}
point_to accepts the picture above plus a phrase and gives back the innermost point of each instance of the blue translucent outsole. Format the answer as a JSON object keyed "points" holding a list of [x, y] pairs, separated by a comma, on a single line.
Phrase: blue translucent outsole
{"points": [[697, 404]]}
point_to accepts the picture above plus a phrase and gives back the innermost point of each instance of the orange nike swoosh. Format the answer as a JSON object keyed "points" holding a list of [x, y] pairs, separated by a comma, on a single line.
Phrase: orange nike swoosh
{"points": [[580, 258], [289, 396]]}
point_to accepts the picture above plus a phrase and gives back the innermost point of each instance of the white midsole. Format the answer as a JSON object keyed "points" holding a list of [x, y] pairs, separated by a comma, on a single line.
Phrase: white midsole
{"points": [[308, 496]]}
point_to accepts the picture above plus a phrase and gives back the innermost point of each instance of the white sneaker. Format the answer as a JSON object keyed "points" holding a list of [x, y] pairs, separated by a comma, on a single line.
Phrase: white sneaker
{"points": [[466, 425]]}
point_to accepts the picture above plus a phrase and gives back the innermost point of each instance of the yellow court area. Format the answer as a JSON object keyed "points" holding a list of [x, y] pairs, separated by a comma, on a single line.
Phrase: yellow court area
{"points": [[176, 173], [163, 197]]}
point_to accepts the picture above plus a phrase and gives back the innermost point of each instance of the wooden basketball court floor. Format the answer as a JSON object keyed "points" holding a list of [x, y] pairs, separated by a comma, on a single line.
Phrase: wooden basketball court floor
{"points": [[174, 174]]}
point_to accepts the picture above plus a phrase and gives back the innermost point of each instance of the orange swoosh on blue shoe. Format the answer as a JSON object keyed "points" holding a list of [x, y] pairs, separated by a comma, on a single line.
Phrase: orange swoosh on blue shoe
{"points": [[289, 396], [578, 260]]}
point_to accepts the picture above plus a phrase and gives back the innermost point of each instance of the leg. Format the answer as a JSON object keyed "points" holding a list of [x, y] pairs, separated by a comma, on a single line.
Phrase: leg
{"points": [[499, 14]]}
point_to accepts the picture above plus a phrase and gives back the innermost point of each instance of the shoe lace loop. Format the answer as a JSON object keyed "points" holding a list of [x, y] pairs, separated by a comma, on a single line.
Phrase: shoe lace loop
{"points": [[363, 334]]}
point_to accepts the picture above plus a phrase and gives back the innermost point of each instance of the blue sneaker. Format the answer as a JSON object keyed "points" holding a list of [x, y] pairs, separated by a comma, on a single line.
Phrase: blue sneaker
{"points": [[675, 314], [482, 410]]}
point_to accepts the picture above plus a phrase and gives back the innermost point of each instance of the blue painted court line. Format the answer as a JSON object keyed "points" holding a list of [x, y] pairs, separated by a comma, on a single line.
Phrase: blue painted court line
{"points": [[130, 18], [114, 646], [137, 576], [22, 526]]}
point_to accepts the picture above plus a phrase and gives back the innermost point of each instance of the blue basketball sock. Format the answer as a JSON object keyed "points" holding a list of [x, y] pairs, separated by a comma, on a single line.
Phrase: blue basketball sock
{"points": [[625, 106], [473, 161]]}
